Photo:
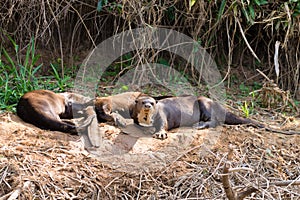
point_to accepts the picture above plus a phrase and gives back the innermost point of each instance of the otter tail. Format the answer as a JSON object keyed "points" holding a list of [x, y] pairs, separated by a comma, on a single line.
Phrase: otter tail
{"points": [[232, 119]]}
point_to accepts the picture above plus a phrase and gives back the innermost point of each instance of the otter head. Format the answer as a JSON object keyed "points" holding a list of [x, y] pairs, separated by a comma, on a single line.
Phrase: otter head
{"points": [[145, 108], [103, 108]]}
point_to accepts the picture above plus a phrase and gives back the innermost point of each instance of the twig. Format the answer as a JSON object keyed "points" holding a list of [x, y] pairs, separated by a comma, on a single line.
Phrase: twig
{"points": [[245, 39], [59, 38], [247, 192], [236, 169], [15, 194], [116, 178], [233, 194], [276, 63], [230, 193], [263, 74]]}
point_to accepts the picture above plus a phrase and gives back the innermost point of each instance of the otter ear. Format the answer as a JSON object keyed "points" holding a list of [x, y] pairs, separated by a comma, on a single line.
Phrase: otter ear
{"points": [[106, 109], [156, 101]]}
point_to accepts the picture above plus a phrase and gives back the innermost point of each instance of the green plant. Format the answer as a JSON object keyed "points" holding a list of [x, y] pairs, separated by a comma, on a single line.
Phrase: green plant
{"points": [[19, 76], [244, 89], [257, 85], [248, 109], [245, 109], [63, 82], [111, 6], [250, 9]]}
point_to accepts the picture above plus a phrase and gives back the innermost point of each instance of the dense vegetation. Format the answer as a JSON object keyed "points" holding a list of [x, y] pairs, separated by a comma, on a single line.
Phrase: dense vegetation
{"points": [[42, 42]]}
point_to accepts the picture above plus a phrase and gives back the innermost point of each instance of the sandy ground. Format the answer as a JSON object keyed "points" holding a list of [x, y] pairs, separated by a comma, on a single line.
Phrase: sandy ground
{"points": [[44, 164]]}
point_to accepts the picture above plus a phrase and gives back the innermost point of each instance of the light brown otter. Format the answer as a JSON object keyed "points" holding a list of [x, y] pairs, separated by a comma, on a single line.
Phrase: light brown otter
{"points": [[114, 107], [199, 112], [46, 109], [117, 107]]}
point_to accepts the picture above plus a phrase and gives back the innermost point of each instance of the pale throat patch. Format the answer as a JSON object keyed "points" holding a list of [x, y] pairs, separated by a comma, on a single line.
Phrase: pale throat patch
{"points": [[145, 117]]}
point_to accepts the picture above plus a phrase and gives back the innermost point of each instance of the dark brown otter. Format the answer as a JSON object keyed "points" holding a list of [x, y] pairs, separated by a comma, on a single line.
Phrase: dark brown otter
{"points": [[199, 112], [46, 109]]}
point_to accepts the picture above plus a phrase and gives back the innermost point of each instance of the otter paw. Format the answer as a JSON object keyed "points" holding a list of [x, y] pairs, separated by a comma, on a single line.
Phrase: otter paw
{"points": [[120, 123], [119, 120], [201, 125], [161, 135]]}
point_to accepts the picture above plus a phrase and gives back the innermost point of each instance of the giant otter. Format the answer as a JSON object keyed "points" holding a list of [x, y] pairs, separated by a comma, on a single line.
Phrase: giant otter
{"points": [[112, 108], [199, 112], [117, 107], [46, 109]]}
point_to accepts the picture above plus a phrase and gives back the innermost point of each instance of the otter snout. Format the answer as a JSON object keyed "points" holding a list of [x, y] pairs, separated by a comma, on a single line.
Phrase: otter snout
{"points": [[148, 105]]}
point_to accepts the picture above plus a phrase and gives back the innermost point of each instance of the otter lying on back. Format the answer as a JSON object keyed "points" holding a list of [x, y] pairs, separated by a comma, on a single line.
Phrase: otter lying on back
{"points": [[169, 113], [46, 109]]}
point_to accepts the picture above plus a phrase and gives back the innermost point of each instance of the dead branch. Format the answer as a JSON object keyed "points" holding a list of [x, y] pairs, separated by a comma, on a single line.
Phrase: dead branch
{"points": [[248, 191], [232, 194]]}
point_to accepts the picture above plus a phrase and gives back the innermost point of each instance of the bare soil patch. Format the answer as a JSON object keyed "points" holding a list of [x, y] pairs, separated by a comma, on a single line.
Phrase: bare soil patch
{"points": [[39, 164]]}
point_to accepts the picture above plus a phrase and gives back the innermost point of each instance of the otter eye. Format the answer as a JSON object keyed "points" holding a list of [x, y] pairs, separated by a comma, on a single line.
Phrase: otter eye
{"points": [[152, 103], [143, 102]]}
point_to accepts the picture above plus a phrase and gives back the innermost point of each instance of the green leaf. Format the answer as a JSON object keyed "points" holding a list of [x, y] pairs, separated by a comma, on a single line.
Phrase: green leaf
{"points": [[16, 47], [34, 59], [252, 12], [27, 57], [260, 2], [192, 3], [99, 6], [11, 62], [296, 12], [221, 10], [263, 2], [246, 14], [56, 75], [36, 69], [125, 88]]}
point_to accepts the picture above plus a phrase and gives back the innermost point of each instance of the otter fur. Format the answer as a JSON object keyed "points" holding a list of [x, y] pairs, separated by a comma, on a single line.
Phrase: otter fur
{"points": [[117, 107], [114, 107], [169, 113], [46, 109]]}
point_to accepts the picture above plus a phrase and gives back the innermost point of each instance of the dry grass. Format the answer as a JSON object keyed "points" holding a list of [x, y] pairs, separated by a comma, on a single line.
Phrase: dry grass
{"points": [[37, 164]]}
